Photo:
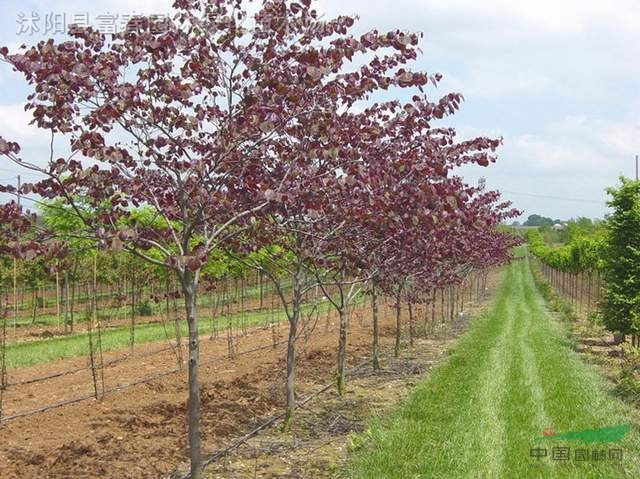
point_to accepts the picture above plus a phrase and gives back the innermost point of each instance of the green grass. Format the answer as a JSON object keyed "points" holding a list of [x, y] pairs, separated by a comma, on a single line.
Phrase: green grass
{"points": [[479, 414], [82, 303], [29, 353]]}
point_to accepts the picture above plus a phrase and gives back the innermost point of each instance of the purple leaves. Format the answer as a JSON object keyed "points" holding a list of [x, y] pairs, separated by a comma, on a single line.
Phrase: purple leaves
{"points": [[8, 147], [253, 148]]}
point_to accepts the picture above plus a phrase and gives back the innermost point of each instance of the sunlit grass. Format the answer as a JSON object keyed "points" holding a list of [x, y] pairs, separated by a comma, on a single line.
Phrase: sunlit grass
{"points": [[479, 414], [28, 353]]}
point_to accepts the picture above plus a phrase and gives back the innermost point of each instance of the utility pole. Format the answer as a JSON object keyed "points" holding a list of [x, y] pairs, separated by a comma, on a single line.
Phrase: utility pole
{"points": [[636, 167]]}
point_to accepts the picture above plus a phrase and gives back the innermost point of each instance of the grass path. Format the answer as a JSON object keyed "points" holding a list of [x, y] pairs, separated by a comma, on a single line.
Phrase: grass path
{"points": [[479, 414]]}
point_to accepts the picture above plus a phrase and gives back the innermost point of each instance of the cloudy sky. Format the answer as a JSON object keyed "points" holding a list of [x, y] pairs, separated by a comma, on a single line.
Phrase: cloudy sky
{"points": [[558, 80]]}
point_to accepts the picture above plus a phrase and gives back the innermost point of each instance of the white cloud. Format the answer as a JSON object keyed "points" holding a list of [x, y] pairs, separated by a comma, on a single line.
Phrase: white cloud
{"points": [[579, 46], [623, 138], [549, 17], [488, 80], [557, 79], [14, 123], [578, 145], [14, 126]]}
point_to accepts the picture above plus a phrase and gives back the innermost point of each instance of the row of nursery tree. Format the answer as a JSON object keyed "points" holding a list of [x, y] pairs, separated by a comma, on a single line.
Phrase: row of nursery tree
{"points": [[256, 136], [608, 255], [40, 289]]}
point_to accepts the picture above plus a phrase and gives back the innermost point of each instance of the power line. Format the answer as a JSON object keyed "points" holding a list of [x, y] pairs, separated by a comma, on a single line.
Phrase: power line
{"points": [[550, 197], [34, 175]]}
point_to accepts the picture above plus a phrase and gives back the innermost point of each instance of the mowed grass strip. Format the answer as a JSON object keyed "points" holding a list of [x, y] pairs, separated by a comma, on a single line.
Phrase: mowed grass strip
{"points": [[480, 413]]}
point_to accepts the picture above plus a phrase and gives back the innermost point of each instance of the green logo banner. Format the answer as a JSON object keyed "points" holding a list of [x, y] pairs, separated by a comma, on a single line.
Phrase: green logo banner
{"points": [[603, 434]]}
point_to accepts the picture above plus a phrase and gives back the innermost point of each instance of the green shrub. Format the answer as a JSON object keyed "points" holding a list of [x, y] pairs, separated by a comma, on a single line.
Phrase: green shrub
{"points": [[595, 318], [144, 308], [627, 386]]}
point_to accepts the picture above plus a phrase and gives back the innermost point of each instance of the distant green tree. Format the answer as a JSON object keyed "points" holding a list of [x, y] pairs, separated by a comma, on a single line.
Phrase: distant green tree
{"points": [[621, 299], [537, 220], [585, 224]]}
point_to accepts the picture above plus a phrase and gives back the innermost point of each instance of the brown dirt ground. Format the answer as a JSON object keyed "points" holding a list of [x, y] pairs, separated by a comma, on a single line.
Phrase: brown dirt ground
{"points": [[325, 429], [599, 347], [140, 431]]}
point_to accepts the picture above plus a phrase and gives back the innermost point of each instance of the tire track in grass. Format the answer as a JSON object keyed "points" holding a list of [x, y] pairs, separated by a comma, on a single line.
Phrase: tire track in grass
{"points": [[488, 441], [441, 454], [478, 415], [577, 398], [523, 405], [465, 445]]}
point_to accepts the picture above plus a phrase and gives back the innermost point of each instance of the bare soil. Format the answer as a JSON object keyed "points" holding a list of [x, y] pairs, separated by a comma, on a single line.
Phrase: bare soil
{"points": [[326, 429], [140, 431]]}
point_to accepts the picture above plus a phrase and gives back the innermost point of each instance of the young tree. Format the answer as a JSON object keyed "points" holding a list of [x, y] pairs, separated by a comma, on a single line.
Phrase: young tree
{"points": [[393, 187], [240, 130], [621, 299], [196, 119]]}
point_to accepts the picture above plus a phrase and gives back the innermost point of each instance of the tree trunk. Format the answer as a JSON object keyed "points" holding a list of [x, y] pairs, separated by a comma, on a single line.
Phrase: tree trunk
{"points": [[589, 293], [34, 305], [396, 350], [4, 309], [92, 359], [189, 290], [376, 328], [227, 302], [425, 326], [15, 295], [242, 306], [342, 347], [291, 357], [58, 298], [73, 294], [433, 311], [66, 302], [132, 326], [291, 373], [261, 290], [411, 331], [470, 287], [452, 303]]}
